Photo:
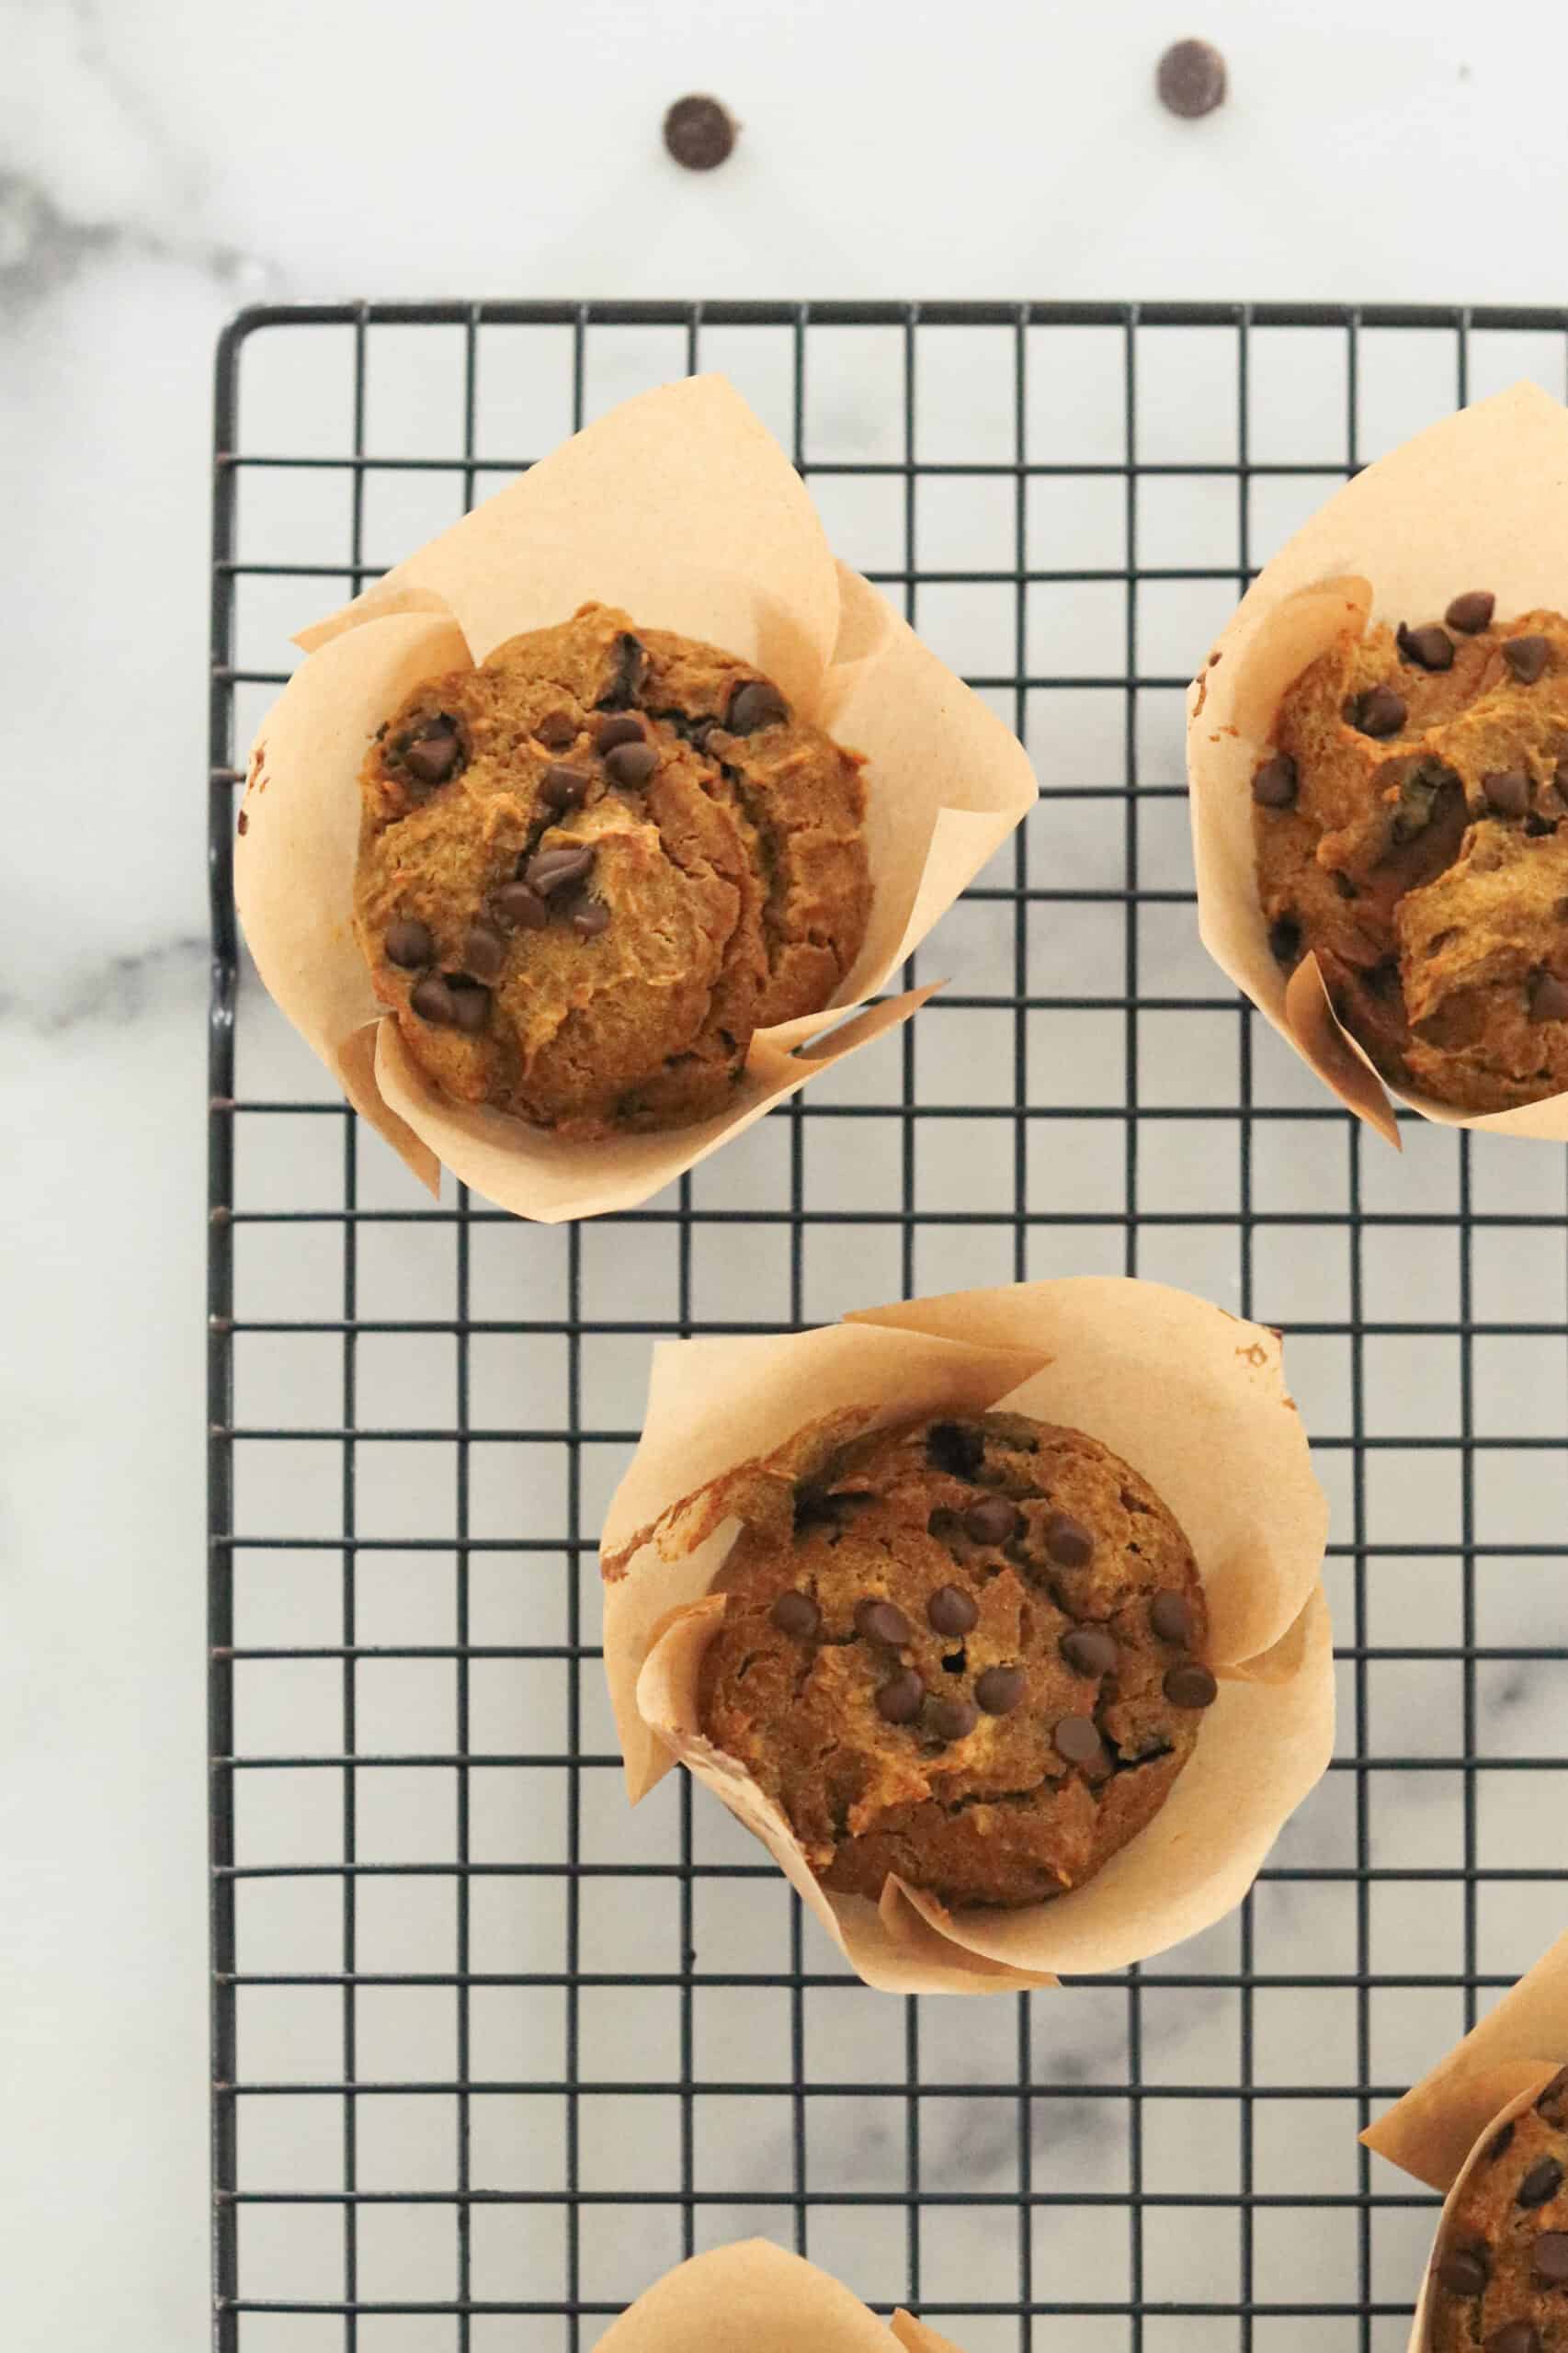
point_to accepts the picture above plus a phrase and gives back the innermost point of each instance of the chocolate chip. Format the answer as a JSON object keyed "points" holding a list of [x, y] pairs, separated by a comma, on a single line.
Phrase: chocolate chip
{"points": [[1170, 1615], [1508, 790], [1378, 711], [1514, 2336], [1464, 2272], [1190, 79], [1500, 2145], [1549, 2257], [1472, 611], [900, 1699], [1343, 884], [1089, 1650], [880, 1621], [1422, 785], [1000, 1688], [797, 1614], [951, 1611], [1067, 1541], [757, 703], [1275, 784], [520, 906], [556, 730], [1284, 940], [629, 655], [434, 756], [408, 943], [1527, 658], [1430, 647], [622, 727], [1543, 2181], [434, 1002], [1551, 2091], [992, 1520], [631, 765], [959, 1451], [561, 786], [484, 951], [699, 133], [590, 918], [1549, 998], [1077, 1738], [471, 1005], [1190, 1685], [952, 1718], [550, 870]]}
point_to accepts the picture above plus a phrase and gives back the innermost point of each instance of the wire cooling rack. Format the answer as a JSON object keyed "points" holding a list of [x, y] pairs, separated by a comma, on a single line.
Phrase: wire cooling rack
{"points": [[491, 2053]]}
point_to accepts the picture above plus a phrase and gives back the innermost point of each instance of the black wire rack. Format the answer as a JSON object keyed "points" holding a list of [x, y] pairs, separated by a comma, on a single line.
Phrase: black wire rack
{"points": [[490, 2052]]}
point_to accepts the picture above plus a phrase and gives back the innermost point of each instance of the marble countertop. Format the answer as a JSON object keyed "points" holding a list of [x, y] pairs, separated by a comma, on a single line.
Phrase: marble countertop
{"points": [[162, 163]]}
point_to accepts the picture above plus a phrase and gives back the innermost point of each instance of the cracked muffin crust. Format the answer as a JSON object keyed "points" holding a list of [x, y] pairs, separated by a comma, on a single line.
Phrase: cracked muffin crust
{"points": [[977, 1661], [1502, 2269], [592, 867], [1408, 828]]}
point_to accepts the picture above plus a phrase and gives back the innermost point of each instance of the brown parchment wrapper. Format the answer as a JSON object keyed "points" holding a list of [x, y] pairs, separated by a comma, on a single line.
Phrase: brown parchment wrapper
{"points": [[681, 507], [1192, 1397], [1477, 501], [754, 2296]]}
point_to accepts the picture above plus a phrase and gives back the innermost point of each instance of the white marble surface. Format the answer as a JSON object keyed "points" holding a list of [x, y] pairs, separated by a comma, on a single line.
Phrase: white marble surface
{"points": [[163, 161]]}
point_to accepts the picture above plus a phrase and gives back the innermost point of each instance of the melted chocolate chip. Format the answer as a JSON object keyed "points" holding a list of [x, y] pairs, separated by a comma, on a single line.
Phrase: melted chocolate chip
{"points": [[1000, 1688], [1275, 784], [409, 943], [1527, 658], [1549, 2257], [550, 870], [1067, 1541], [434, 758], [434, 1002], [1503, 2140], [992, 1520], [1508, 790], [951, 1611], [561, 786], [590, 918], [1089, 1650], [1548, 998], [1190, 1685], [880, 1621], [622, 727], [484, 952], [471, 1004], [1430, 647], [631, 654], [1472, 611], [757, 703], [1077, 1738], [1378, 711], [952, 1718], [1542, 2182], [1463, 2272], [1514, 2336], [797, 1614], [1170, 1615], [631, 765], [901, 1699], [520, 906]]}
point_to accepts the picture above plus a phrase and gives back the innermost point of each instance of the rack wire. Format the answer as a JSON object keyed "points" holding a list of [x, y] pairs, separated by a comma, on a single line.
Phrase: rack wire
{"points": [[489, 2052]]}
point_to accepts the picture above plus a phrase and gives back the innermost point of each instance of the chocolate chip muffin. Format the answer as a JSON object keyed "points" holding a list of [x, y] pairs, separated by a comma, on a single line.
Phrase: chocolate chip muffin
{"points": [[1408, 827], [975, 1660], [1502, 2268], [592, 867]]}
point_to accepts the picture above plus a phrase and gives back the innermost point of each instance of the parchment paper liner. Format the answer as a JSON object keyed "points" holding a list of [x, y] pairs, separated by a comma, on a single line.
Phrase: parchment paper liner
{"points": [[680, 506], [1192, 1397], [754, 2295], [1477, 501]]}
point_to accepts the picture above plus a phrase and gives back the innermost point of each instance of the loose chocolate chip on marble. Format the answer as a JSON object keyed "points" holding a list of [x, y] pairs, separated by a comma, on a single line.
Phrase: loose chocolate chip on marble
{"points": [[1471, 611], [1000, 1688], [434, 756], [952, 1718], [958, 1451], [520, 906], [631, 765], [1170, 1615], [1514, 2336], [484, 952], [1190, 1685], [797, 1614], [951, 1611], [1067, 1541], [699, 133], [1543, 2181], [622, 727], [1190, 79], [1077, 1738], [880, 1621], [1274, 785], [1549, 2257], [901, 1699], [550, 870], [1508, 790], [1549, 998], [1463, 2272], [757, 703], [561, 786], [434, 1001], [471, 1005], [992, 1520], [1377, 712], [556, 730], [1089, 1650], [409, 943], [1284, 940], [1430, 647], [1500, 2144], [589, 919], [629, 657], [1527, 658]]}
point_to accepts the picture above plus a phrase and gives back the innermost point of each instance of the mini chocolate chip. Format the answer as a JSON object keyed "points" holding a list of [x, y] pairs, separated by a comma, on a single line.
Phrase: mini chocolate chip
{"points": [[1275, 784], [1190, 79], [1549, 998], [1548, 2256], [589, 919], [1378, 711], [1464, 2272], [757, 703], [901, 1699], [951, 1611], [952, 1718], [1527, 658], [622, 727], [880, 1621], [550, 870], [1508, 790], [1077, 1738], [955, 1449], [563, 787], [1500, 2145], [408, 943], [1472, 611], [1170, 1615], [1284, 940], [523, 908], [484, 952], [1089, 1650], [1000, 1688], [631, 765], [1430, 647], [629, 655], [471, 1005], [1190, 1685], [699, 133], [1514, 2336], [1067, 1541], [556, 730], [434, 758], [992, 1520], [434, 1001], [797, 1614], [1543, 2181]]}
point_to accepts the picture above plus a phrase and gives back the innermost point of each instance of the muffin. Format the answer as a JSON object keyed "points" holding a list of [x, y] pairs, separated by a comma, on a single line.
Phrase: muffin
{"points": [[1408, 831], [590, 868], [1501, 2274], [975, 1660]]}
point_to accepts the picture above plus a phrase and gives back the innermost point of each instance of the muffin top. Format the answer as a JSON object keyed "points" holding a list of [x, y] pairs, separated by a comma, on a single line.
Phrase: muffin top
{"points": [[1408, 827], [592, 867], [1502, 2266], [975, 1661]]}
